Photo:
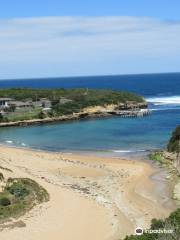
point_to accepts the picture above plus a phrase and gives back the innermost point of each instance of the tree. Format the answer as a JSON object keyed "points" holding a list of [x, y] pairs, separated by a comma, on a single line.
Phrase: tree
{"points": [[1, 117], [41, 115], [4, 201], [174, 145]]}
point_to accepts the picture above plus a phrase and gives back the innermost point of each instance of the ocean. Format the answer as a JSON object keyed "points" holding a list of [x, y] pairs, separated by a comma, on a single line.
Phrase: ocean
{"points": [[114, 135]]}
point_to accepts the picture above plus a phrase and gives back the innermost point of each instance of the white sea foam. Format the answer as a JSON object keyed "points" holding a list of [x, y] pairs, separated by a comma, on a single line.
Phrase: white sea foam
{"points": [[163, 109], [172, 100], [9, 141], [128, 151]]}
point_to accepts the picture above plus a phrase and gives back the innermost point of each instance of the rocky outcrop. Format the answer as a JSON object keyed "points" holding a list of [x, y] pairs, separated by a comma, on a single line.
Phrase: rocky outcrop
{"points": [[176, 192], [173, 158], [132, 105], [121, 109]]}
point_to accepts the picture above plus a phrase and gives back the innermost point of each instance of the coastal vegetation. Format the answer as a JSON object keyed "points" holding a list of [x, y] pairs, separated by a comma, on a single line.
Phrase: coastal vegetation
{"points": [[157, 156], [171, 154], [90, 96], [156, 231], [174, 142], [18, 104], [169, 158], [19, 195]]}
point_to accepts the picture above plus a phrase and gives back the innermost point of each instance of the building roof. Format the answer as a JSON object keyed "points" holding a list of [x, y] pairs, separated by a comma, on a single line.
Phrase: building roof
{"points": [[64, 100], [5, 99], [20, 104]]}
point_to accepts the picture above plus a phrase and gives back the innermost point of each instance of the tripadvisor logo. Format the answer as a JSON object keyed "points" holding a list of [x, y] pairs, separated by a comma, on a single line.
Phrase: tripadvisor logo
{"points": [[138, 231]]}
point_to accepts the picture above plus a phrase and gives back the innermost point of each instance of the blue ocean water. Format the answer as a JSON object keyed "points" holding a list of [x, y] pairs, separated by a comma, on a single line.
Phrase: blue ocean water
{"points": [[114, 134]]}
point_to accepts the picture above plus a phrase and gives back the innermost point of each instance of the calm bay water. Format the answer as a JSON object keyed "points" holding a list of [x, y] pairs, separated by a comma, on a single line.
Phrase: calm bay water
{"points": [[115, 134]]}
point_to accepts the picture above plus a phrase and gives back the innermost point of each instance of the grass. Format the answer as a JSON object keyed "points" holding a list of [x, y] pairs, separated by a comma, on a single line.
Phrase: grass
{"points": [[24, 115], [157, 156], [19, 196], [170, 223]]}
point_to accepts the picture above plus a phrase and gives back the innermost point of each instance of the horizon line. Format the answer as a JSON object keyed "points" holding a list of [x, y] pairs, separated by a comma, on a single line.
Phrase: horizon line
{"points": [[87, 76]]}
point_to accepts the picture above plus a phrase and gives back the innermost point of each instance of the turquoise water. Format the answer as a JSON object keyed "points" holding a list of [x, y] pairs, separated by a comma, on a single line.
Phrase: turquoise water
{"points": [[114, 134]]}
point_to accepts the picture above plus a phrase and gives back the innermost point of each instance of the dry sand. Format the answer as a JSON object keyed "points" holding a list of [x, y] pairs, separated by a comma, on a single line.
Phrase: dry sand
{"points": [[90, 197]]}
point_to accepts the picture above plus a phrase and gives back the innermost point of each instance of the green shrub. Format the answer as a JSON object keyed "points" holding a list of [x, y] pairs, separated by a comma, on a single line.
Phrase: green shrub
{"points": [[18, 190], [4, 201], [41, 115], [170, 223], [174, 142], [157, 223], [19, 196], [156, 156], [1, 177]]}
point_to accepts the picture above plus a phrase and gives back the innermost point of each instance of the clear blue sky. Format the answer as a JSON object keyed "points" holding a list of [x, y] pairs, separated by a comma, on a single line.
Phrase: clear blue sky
{"points": [[164, 9], [42, 38]]}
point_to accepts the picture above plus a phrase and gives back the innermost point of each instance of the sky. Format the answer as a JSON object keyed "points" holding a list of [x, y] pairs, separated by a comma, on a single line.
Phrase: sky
{"points": [[57, 38]]}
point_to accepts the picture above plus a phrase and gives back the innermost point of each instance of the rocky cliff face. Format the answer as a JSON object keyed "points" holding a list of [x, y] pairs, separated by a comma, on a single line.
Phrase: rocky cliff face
{"points": [[173, 148], [110, 108], [132, 106], [174, 158]]}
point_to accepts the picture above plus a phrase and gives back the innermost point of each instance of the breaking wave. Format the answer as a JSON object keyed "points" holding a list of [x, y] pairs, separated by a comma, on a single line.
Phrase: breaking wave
{"points": [[9, 141], [172, 100], [128, 151]]}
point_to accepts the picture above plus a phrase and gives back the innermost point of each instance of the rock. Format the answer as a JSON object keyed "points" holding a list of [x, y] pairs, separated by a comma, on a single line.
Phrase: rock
{"points": [[168, 177], [176, 192]]}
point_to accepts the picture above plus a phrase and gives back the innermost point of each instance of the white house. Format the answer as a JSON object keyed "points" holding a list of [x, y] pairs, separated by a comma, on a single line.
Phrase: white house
{"points": [[4, 102]]}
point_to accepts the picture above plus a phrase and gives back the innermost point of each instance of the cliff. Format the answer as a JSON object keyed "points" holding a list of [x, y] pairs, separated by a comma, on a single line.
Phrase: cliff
{"points": [[173, 149], [172, 155]]}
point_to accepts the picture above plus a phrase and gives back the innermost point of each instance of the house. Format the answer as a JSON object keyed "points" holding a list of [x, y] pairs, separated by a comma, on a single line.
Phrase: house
{"points": [[19, 105], [64, 100], [2, 113], [4, 102], [42, 102], [46, 103]]}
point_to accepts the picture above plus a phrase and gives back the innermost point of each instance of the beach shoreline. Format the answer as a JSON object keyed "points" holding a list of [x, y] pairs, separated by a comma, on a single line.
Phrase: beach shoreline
{"points": [[122, 154], [95, 197]]}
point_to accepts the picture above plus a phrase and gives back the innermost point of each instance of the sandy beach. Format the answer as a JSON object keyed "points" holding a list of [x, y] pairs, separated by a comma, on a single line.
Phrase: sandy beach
{"points": [[90, 197]]}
